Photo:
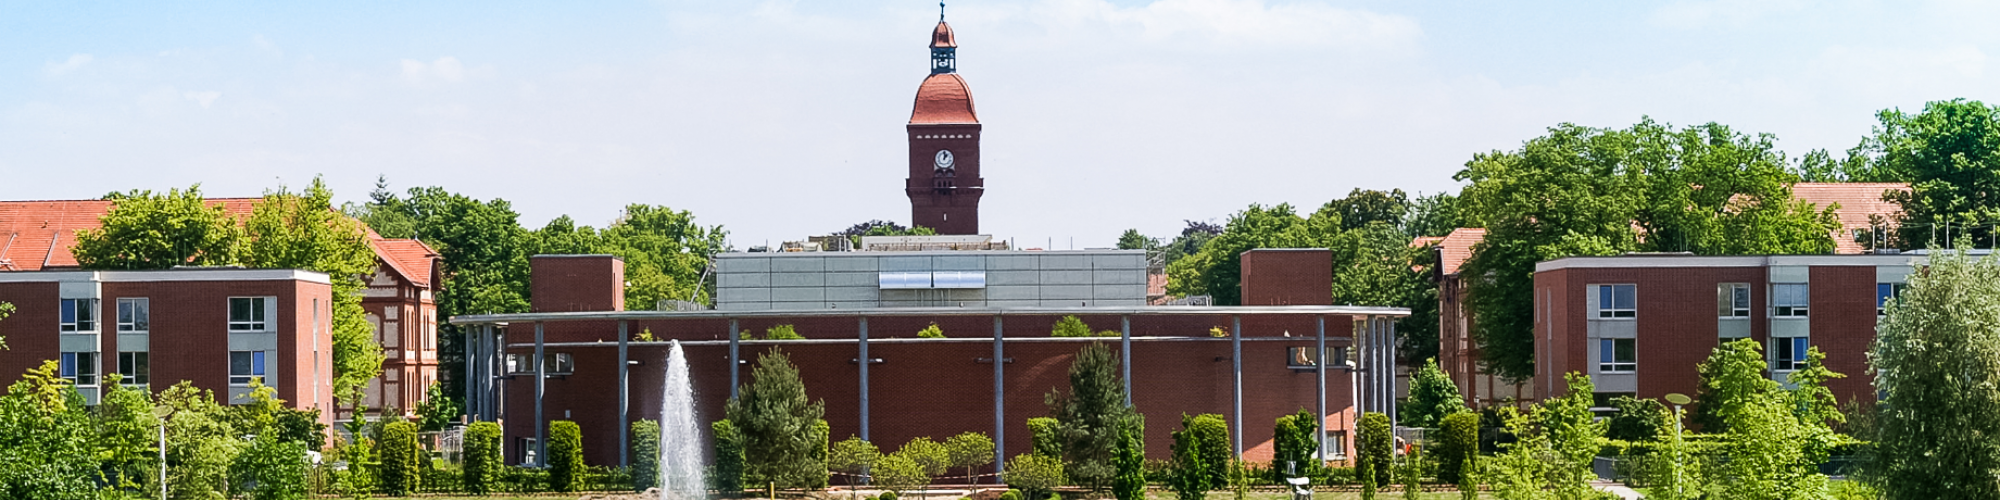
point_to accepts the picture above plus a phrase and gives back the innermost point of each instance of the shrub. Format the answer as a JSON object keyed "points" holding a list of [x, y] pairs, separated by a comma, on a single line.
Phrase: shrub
{"points": [[898, 472], [969, 450], [1035, 475], [1432, 396], [1010, 495], [1457, 444], [728, 456], [931, 332], [1130, 481], [1377, 449], [1293, 445], [816, 471], [399, 455], [1215, 450], [271, 469], [1070, 326], [887, 495], [1046, 434], [1637, 419], [481, 458], [645, 454], [782, 332], [853, 456], [931, 457], [565, 456]]}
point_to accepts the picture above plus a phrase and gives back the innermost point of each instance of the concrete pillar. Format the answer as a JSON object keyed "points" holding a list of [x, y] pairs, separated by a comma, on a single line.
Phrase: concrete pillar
{"points": [[999, 403], [1236, 358], [1319, 388], [734, 361], [864, 378], [624, 397], [541, 381], [1125, 359]]}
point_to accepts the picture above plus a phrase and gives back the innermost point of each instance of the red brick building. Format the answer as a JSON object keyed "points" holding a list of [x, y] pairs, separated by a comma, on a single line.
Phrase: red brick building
{"points": [[911, 387], [37, 235], [219, 328], [944, 184], [1640, 324]]}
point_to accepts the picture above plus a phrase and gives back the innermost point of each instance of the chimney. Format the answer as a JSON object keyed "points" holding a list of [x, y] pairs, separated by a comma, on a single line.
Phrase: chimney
{"points": [[574, 283]]}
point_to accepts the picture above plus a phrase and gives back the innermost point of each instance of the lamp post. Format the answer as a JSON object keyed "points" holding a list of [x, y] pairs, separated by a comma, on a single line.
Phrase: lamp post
{"points": [[1677, 399], [162, 412]]}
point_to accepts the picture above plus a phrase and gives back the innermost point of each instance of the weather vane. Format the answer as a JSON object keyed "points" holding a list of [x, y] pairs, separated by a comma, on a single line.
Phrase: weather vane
{"points": [[940, 11]]}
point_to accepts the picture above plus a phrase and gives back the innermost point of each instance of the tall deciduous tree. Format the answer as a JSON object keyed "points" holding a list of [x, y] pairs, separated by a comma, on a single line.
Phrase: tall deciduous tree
{"points": [[775, 419], [1592, 191], [1950, 155], [45, 439], [1215, 270], [1132, 240], [1092, 413], [301, 230], [1937, 357], [145, 230], [1432, 397]]}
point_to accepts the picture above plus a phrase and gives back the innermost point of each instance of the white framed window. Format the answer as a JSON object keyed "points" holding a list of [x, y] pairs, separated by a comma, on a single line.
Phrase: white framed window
{"points": [[1884, 292], [245, 366], [1333, 445], [1788, 353], [1732, 300], [135, 315], [80, 368], [134, 368], [1617, 356], [79, 315], [1617, 301], [1790, 300], [246, 314]]}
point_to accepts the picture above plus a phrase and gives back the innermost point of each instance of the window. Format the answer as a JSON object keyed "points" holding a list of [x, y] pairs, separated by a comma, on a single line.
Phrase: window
{"points": [[80, 368], [1789, 300], [79, 315], [132, 368], [1334, 445], [135, 315], [1884, 292], [1617, 356], [554, 363], [528, 449], [1301, 357], [1732, 300], [246, 314], [1788, 354], [244, 366], [1617, 301]]}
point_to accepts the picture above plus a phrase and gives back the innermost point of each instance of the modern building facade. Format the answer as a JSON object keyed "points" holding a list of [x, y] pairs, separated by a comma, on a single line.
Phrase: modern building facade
{"points": [[1641, 324], [944, 185], [866, 280], [602, 366], [220, 328]]}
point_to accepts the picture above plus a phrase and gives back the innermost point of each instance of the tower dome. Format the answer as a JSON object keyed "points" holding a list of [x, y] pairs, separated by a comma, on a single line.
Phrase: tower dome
{"points": [[943, 98]]}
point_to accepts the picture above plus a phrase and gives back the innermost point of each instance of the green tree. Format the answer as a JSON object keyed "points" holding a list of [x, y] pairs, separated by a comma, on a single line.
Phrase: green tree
{"points": [[1434, 215], [45, 439], [125, 443], [1092, 412], [930, 456], [1362, 207], [271, 468], [1190, 242], [898, 472], [1132, 240], [1035, 475], [482, 457], [398, 452], [1070, 326], [566, 467], [730, 466], [1937, 357], [1295, 442], [1216, 269], [665, 254], [437, 410], [1129, 483], [1637, 419], [6, 309], [853, 456], [290, 230], [1192, 475], [931, 332], [1046, 435], [1215, 447], [1590, 191], [201, 443], [775, 419], [1950, 155], [1458, 446], [1433, 396], [1553, 448], [144, 230], [1733, 374], [1375, 449], [969, 450], [645, 454]]}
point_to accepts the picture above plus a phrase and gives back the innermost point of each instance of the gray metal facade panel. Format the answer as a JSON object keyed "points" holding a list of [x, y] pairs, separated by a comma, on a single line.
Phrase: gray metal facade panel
{"points": [[842, 293], [1013, 293], [852, 304], [1118, 277], [1010, 262], [847, 263], [803, 294], [757, 264], [1066, 292], [1118, 261], [1053, 261], [966, 295], [1111, 292], [742, 280], [1068, 277], [744, 306], [728, 295], [870, 279], [797, 279], [798, 264], [958, 263], [1007, 278], [905, 263], [1013, 303]]}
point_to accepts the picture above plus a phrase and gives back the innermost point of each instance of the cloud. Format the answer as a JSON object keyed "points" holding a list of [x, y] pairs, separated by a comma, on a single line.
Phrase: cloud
{"points": [[265, 44], [446, 70], [1709, 13], [1235, 22], [74, 62], [205, 98]]}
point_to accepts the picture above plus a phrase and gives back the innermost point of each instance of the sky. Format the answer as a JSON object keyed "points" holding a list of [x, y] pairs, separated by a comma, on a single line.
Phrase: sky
{"points": [[782, 119]]}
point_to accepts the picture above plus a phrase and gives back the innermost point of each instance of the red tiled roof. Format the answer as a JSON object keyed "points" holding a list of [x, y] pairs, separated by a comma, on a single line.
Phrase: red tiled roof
{"points": [[37, 234], [943, 98], [1456, 247], [408, 257], [1856, 200], [941, 37]]}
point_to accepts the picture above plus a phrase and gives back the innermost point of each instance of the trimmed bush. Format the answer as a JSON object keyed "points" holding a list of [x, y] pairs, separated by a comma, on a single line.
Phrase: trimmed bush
{"points": [[645, 455], [1010, 495], [398, 455], [1378, 447], [1130, 482], [565, 456], [1213, 430], [1046, 434], [1293, 445], [1457, 445], [728, 456], [482, 457], [898, 472], [887, 495], [1035, 475]]}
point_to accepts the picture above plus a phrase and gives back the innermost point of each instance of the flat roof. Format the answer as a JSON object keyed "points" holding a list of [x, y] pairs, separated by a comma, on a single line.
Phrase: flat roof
{"points": [[892, 253], [1683, 260], [157, 275], [487, 319]]}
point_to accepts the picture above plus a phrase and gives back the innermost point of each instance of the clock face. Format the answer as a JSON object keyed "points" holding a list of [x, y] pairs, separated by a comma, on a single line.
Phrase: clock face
{"points": [[944, 158]]}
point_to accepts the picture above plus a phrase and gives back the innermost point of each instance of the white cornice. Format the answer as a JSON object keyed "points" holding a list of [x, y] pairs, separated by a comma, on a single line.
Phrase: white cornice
{"points": [[1670, 261], [166, 275]]}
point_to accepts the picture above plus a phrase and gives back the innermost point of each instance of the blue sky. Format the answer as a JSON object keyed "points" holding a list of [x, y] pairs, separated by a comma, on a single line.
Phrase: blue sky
{"points": [[782, 119]]}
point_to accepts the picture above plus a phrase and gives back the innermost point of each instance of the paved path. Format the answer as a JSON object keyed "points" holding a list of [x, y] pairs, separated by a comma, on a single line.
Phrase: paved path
{"points": [[1614, 488]]}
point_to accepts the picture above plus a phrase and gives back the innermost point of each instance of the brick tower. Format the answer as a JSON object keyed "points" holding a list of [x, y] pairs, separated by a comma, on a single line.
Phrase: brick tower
{"points": [[944, 183]]}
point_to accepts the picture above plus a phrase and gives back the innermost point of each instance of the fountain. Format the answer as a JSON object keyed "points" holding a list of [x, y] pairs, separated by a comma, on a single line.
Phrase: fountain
{"points": [[680, 434]]}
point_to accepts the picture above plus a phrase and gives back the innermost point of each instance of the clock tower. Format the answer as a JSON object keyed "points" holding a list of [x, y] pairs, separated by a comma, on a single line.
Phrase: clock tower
{"points": [[944, 184]]}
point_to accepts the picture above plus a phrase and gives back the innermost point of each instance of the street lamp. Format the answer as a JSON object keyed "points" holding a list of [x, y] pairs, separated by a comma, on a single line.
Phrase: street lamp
{"points": [[1678, 400], [161, 412]]}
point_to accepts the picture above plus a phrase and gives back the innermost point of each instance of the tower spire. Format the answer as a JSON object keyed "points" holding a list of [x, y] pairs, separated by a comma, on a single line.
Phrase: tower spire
{"points": [[940, 12], [944, 46]]}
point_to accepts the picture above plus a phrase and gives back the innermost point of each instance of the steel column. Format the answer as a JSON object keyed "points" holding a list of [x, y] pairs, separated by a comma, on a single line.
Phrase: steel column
{"points": [[541, 379], [1389, 340], [1319, 388], [864, 378], [999, 404], [470, 374], [734, 361], [1125, 362], [1236, 358], [624, 397]]}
